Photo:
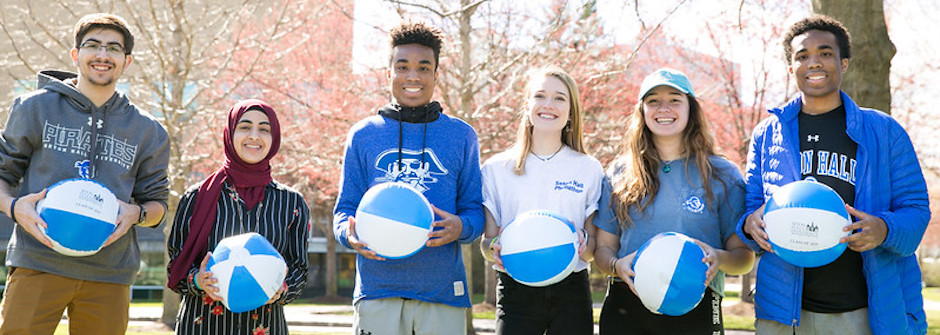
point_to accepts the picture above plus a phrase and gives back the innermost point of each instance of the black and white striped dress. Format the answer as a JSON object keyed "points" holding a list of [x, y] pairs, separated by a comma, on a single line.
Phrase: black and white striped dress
{"points": [[282, 218]]}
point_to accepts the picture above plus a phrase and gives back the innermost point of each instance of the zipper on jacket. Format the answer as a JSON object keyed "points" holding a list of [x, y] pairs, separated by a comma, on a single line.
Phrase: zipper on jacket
{"points": [[797, 292]]}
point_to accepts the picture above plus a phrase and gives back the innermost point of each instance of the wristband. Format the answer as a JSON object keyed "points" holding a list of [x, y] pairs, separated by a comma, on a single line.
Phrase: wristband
{"points": [[613, 265], [12, 208], [493, 242], [192, 278]]}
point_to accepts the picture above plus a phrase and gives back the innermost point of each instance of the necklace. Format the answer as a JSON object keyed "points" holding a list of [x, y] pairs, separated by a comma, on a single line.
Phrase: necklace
{"points": [[666, 167], [545, 159]]}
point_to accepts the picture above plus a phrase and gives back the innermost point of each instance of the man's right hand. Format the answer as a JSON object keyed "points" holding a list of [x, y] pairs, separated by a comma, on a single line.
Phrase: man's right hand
{"points": [[27, 217], [358, 245], [754, 225]]}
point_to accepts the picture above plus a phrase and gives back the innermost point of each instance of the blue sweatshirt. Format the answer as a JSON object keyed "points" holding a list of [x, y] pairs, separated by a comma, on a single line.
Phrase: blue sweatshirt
{"points": [[47, 139], [451, 181]]}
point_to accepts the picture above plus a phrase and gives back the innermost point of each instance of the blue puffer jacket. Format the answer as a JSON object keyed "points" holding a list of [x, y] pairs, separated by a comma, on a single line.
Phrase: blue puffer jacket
{"points": [[889, 185]]}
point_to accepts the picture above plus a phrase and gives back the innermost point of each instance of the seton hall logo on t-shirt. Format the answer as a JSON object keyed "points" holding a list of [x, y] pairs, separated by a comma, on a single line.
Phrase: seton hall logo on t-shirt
{"points": [[417, 168], [694, 204], [571, 185]]}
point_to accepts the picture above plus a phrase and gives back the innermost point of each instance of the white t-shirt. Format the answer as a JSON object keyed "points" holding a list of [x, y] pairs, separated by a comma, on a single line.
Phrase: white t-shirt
{"points": [[568, 184]]}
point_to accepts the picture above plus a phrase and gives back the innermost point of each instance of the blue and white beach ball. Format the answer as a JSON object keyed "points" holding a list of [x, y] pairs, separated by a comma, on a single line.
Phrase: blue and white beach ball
{"points": [[670, 275], [804, 221], [539, 248], [249, 271], [80, 214], [394, 220]]}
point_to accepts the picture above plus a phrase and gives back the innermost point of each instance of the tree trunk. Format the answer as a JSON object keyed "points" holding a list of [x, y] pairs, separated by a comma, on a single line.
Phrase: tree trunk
{"points": [[747, 280], [489, 291], [332, 288], [867, 80], [177, 79], [466, 107]]}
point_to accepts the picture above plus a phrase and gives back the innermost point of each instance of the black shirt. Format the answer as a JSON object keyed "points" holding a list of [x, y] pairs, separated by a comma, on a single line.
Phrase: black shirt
{"points": [[827, 155]]}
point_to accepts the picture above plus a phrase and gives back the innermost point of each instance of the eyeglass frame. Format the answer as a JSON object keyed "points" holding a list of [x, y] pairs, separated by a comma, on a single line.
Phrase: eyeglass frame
{"points": [[121, 52]]}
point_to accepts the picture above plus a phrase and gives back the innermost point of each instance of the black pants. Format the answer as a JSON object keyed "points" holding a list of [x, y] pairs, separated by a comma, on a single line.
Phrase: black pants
{"points": [[563, 308], [624, 313]]}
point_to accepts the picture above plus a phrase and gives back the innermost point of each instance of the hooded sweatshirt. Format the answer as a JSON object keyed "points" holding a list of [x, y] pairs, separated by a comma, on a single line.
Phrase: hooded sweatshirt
{"points": [[47, 140], [438, 155]]}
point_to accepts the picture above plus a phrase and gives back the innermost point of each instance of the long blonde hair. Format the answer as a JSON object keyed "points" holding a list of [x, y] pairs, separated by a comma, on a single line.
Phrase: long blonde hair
{"points": [[636, 182], [570, 134]]}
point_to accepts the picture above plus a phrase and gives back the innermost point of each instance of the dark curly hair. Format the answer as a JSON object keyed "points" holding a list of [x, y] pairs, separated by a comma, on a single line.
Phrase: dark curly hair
{"points": [[104, 21], [818, 22], [418, 33]]}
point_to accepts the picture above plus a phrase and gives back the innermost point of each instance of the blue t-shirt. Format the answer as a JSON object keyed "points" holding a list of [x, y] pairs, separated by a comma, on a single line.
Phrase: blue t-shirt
{"points": [[680, 206]]}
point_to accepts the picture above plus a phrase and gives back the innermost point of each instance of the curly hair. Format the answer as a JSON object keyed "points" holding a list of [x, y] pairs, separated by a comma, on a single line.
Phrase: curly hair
{"points": [[104, 21], [818, 22], [418, 33]]}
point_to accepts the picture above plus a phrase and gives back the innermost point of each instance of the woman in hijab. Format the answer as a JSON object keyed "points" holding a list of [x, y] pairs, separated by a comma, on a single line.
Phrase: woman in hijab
{"points": [[240, 197]]}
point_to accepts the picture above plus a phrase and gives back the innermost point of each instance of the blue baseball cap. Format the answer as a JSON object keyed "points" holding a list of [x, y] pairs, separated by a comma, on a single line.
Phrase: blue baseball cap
{"points": [[669, 77]]}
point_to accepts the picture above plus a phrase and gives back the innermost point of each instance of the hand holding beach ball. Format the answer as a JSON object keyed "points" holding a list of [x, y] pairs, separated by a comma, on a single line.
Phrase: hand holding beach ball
{"points": [[249, 271], [394, 220], [670, 274], [80, 215], [804, 221], [539, 248]]}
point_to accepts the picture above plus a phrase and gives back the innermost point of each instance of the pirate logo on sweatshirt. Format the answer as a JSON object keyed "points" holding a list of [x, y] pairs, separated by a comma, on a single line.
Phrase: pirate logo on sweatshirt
{"points": [[416, 168]]}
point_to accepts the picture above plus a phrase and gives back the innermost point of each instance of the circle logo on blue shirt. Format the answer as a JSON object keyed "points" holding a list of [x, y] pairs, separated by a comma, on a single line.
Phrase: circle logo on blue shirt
{"points": [[694, 204]]}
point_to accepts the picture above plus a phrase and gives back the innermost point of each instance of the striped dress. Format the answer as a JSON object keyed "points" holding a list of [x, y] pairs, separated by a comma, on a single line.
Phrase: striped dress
{"points": [[282, 218]]}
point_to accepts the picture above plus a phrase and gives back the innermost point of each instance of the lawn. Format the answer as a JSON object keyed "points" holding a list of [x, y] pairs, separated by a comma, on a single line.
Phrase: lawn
{"points": [[731, 321]]}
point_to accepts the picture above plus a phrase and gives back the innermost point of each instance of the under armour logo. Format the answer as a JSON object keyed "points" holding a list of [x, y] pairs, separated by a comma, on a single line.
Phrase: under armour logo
{"points": [[812, 138], [99, 124]]}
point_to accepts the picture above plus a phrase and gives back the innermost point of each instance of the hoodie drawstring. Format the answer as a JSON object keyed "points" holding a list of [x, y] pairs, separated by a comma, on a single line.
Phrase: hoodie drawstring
{"points": [[93, 159], [424, 142], [400, 131]]}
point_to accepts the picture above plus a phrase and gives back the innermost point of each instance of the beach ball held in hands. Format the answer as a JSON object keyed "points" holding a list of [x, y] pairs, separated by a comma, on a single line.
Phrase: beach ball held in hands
{"points": [[249, 271], [804, 221], [80, 214], [670, 274], [394, 220], [539, 248]]}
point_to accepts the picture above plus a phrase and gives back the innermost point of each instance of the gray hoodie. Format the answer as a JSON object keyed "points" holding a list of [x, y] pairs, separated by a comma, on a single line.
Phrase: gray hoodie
{"points": [[46, 140]]}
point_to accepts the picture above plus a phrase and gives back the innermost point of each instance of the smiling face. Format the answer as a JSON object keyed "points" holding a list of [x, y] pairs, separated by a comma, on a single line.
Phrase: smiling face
{"points": [[666, 112], [98, 68], [818, 68], [412, 75], [549, 104], [252, 136]]}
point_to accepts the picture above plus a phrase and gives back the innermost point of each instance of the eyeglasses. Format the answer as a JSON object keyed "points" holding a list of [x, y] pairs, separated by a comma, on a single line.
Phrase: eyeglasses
{"points": [[112, 49]]}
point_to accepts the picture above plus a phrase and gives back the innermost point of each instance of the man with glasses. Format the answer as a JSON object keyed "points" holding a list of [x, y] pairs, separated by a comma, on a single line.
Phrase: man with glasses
{"points": [[79, 126]]}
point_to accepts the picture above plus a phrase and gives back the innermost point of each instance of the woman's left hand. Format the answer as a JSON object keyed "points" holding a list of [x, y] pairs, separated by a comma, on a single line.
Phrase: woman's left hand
{"points": [[277, 295], [623, 267], [712, 259], [206, 281], [582, 241]]}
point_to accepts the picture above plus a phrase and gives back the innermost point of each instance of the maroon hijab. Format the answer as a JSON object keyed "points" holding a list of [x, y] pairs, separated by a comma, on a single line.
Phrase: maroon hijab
{"points": [[249, 181]]}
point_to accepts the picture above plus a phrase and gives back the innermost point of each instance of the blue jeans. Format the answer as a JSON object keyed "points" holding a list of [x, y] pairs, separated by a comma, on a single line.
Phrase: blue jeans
{"points": [[561, 308]]}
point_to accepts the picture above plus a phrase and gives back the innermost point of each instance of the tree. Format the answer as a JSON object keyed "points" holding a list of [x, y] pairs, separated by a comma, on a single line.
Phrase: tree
{"points": [[868, 77]]}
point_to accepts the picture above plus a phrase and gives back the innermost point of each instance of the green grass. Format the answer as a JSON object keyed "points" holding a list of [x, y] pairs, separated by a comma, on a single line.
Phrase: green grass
{"points": [[730, 321], [738, 322], [932, 293]]}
